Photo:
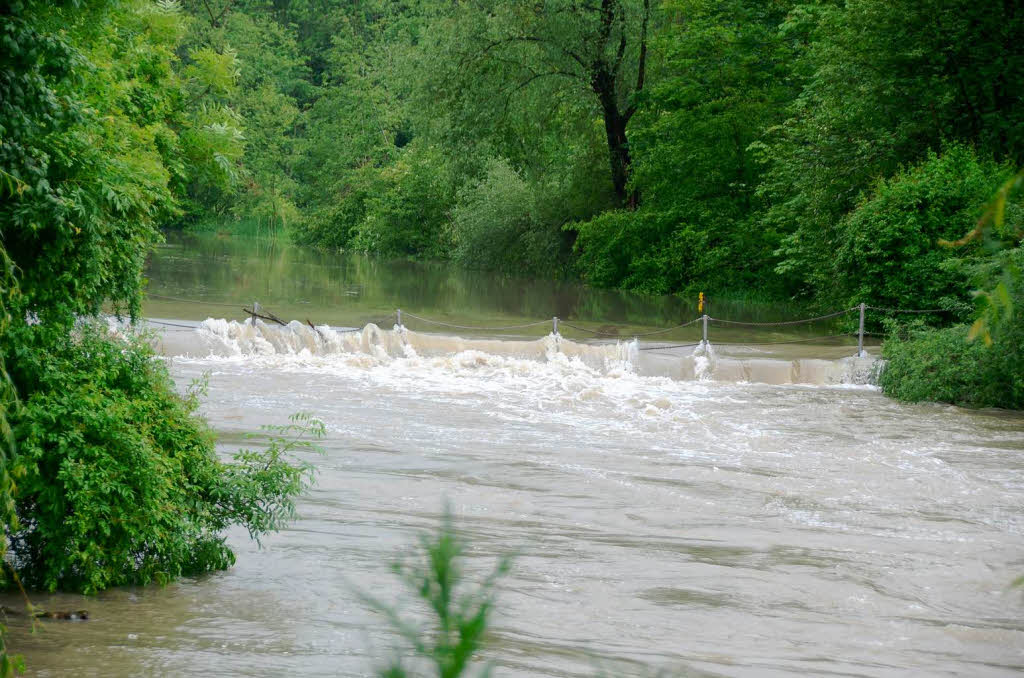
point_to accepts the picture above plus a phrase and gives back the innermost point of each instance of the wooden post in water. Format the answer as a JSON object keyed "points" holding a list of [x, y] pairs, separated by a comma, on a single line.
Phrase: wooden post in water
{"points": [[860, 332], [399, 318], [255, 310]]}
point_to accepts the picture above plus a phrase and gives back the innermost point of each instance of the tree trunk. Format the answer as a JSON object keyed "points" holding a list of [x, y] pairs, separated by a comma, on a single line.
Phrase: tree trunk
{"points": [[603, 82], [615, 121], [618, 154]]}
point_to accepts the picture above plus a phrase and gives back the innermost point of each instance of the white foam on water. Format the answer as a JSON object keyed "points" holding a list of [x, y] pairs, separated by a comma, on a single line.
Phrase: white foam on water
{"points": [[611, 387], [323, 347]]}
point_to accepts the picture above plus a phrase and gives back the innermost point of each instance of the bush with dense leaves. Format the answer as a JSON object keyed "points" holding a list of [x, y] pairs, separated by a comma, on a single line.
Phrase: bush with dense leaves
{"points": [[407, 207], [332, 226], [123, 485], [499, 224], [659, 252], [889, 251], [954, 365]]}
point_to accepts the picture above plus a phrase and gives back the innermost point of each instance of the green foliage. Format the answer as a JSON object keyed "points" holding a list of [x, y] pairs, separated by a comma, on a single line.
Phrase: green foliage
{"points": [[888, 248], [105, 138], [943, 365], [614, 249], [885, 82], [248, 227], [123, 485], [510, 72], [406, 122], [261, 485], [94, 179], [499, 224], [719, 77], [265, 95], [458, 617], [212, 149], [732, 125], [108, 476], [406, 211], [11, 465], [940, 365], [1001, 225], [331, 227], [213, 72]]}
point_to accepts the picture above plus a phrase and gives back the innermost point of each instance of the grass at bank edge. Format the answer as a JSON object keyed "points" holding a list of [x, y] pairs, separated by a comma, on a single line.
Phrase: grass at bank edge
{"points": [[249, 227]]}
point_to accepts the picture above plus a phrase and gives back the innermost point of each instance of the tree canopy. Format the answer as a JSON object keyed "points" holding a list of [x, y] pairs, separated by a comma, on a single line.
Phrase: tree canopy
{"points": [[657, 146]]}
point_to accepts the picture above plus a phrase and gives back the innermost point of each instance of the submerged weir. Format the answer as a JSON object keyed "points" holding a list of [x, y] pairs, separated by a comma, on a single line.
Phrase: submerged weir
{"points": [[296, 342]]}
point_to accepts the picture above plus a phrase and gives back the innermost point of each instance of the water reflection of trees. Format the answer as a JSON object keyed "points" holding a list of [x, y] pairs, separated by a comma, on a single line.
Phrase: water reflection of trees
{"points": [[333, 287]]}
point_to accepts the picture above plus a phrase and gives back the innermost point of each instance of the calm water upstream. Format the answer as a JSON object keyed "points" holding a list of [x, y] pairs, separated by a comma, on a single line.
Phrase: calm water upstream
{"points": [[667, 510]]}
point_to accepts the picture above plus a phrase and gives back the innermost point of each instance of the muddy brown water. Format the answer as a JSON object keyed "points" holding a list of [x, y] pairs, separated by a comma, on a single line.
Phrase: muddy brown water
{"points": [[668, 510]]}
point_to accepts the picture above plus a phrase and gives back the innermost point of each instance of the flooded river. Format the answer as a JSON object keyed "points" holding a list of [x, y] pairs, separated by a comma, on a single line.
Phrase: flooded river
{"points": [[667, 510]]}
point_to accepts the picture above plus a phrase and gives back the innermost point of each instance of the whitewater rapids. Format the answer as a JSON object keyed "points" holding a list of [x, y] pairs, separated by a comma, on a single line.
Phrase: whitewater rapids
{"points": [[295, 343]]}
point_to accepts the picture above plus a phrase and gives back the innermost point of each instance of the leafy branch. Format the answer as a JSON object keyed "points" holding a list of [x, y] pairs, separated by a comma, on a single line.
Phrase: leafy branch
{"points": [[261, 485], [996, 303]]}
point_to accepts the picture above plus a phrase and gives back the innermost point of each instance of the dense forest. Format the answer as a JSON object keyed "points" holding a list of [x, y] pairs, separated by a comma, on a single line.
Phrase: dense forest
{"points": [[779, 148], [810, 150]]}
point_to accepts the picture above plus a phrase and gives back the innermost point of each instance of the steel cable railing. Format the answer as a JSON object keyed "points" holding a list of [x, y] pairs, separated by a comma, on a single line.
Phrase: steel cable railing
{"points": [[756, 343], [782, 322], [665, 348], [786, 341], [635, 335], [706, 319], [167, 324], [474, 327]]}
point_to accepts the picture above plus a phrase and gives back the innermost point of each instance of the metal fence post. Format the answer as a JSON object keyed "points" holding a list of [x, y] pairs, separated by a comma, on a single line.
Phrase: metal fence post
{"points": [[705, 319], [399, 318], [860, 333], [554, 325], [255, 310]]}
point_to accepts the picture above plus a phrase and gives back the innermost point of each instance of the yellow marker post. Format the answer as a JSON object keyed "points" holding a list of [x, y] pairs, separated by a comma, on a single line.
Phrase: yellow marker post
{"points": [[700, 303]]}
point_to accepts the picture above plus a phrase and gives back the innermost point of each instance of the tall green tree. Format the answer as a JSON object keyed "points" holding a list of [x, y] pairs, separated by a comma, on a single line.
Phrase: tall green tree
{"points": [[488, 57], [266, 81], [118, 480], [86, 134], [720, 75]]}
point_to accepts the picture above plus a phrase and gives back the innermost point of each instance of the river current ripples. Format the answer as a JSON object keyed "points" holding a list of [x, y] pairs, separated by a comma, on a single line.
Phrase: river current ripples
{"points": [[701, 526]]}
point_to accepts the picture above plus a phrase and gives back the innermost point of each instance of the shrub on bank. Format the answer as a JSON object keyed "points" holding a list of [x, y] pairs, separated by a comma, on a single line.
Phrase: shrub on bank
{"points": [[943, 365], [406, 207], [122, 484], [332, 226], [939, 366], [499, 224]]}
